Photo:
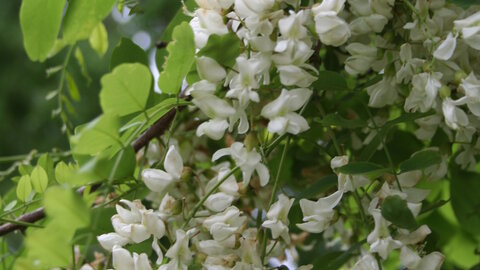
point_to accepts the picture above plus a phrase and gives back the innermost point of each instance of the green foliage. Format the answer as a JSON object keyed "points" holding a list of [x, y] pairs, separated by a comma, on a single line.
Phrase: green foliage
{"points": [[361, 168], [464, 187], [395, 210], [224, 49], [24, 187], [421, 160], [96, 135], [181, 52], [39, 179], [82, 17], [40, 21], [127, 52], [126, 89], [66, 212], [330, 81], [99, 39], [339, 121]]}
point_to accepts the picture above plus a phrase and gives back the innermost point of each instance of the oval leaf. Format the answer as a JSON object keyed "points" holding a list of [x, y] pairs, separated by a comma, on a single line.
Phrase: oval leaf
{"points": [[361, 168], [395, 210], [127, 52], [40, 22], [421, 160], [39, 179], [99, 39], [24, 188]]}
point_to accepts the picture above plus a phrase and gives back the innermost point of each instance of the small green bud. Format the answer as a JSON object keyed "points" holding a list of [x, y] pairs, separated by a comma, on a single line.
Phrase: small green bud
{"points": [[250, 141], [459, 76], [427, 67], [445, 92]]}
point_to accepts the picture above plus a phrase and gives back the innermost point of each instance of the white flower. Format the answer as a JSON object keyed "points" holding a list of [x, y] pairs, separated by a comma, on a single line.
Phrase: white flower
{"points": [[247, 161], [455, 117], [470, 30], [409, 65], [362, 56], [412, 260], [242, 83], [247, 8], [446, 49], [367, 24], [346, 182], [424, 92], [292, 27], [208, 69], [317, 215], [383, 93], [277, 218], [219, 201], [122, 260], [179, 253], [331, 29], [281, 112], [292, 75], [379, 239], [367, 262], [159, 180], [214, 128], [223, 225], [109, 240], [471, 86]]}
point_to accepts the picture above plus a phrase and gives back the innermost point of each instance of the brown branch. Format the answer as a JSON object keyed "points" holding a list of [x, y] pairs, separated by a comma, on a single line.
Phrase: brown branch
{"points": [[157, 129]]}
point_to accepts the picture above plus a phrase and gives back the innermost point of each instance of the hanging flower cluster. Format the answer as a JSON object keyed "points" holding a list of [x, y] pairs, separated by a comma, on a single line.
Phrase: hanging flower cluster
{"points": [[426, 56]]}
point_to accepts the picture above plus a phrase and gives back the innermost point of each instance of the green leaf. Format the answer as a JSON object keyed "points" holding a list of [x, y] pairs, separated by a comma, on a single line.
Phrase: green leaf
{"points": [[83, 66], [179, 17], [101, 167], [72, 88], [126, 89], [464, 188], [181, 55], [67, 207], [361, 167], [421, 160], [66, 212], [83, 16], [24, 187], [39, 179], [46, 162], [96, 136], [395, 210], [40, 22], [320, 186], [224, 49], [330, 81], [339, 121], [127, 52], [99, 39], [63, 173]]}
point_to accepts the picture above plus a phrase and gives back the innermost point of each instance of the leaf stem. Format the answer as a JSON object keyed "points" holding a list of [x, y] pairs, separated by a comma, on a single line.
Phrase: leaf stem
{"points": [[18, 222]]}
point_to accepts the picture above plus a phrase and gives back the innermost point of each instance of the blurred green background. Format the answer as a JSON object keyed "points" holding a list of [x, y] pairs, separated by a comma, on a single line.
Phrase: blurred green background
{"points": [[26, 120]]}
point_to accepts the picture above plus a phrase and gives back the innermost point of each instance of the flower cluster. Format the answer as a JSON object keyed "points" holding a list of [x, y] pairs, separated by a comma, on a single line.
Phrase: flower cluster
{"points": [[425, 62]]}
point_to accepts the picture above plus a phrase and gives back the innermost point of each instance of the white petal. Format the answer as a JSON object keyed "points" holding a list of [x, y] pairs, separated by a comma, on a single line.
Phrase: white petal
{"points": [[208, 69], [218, 202], [263, 174], [122, 260], [141, 262], [220, 153], [109, 240], [446, 48], [156, 180], [173, 162], [214, 128]]}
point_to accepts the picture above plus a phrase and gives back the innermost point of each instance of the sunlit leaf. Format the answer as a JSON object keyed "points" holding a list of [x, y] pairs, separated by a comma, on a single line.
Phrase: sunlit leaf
{"points": [[180, 58], [24, 187], [96, 135], [82, 17], [39, 179], [126, 89], [99, 39], [40, 22]]}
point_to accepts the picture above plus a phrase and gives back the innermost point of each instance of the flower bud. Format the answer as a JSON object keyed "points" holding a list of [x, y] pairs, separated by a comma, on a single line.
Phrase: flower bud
{"points": [[250, 141], [459, 76], [445, 91]]}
